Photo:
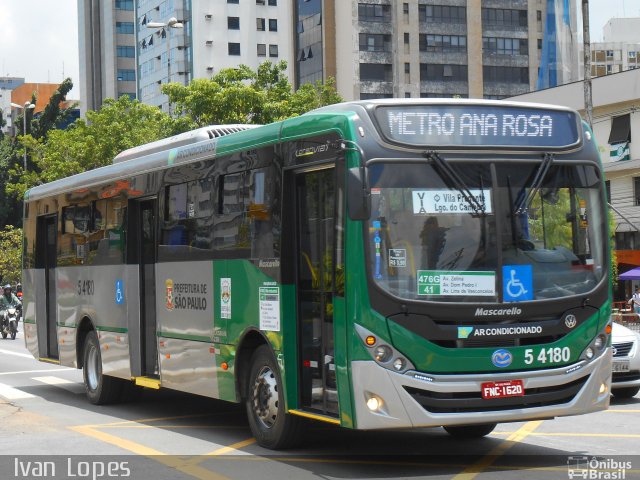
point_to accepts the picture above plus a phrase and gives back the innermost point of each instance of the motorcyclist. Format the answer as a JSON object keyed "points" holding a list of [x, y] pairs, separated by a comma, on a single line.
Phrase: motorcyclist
{"points": [[8, 299]]}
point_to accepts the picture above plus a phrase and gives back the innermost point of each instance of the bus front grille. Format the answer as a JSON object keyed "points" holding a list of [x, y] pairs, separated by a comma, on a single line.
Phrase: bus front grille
{"points": [[468, 402]]}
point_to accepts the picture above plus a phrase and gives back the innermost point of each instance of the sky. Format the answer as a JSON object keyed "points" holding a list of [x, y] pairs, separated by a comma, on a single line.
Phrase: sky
{"points": [[39, 38]]}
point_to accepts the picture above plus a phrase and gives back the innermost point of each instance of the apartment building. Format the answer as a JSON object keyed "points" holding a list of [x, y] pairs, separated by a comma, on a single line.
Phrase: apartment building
{"points": [[207, 36], [620, 48], [425, 48], [106, 37]]}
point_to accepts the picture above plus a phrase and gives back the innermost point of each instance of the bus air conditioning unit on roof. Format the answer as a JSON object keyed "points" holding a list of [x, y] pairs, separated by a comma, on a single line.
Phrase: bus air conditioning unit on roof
{"points": [[187, 138]]}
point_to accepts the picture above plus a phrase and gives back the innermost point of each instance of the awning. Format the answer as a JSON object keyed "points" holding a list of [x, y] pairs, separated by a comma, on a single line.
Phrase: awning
{"points": [[633, 274], [620, 129]]}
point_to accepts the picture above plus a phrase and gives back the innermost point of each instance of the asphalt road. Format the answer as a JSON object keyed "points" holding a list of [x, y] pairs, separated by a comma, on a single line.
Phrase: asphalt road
{"points": [[169, 435]]}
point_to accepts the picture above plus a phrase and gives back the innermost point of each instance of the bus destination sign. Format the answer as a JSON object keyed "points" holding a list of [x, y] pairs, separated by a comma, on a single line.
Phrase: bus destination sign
{"points": [[478, 126]]}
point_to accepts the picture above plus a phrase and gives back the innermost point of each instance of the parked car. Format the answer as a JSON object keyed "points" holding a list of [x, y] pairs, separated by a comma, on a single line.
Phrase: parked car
{"points": [[626, 362]]}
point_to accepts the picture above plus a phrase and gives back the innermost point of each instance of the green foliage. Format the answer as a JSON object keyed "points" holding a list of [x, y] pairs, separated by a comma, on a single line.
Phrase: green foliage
{"points": [[52, 115], [11, 258], [118, 125], [242, 95]]}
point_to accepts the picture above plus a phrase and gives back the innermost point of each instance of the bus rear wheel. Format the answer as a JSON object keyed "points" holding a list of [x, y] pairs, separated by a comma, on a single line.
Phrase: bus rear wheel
{"points": [[101, 389], [470, 431], [270, 424]]}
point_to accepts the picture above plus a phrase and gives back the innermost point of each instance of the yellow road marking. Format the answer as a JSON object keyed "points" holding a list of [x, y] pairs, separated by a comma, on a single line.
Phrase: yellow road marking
{"points": [[213, 427], [232, 447], [173, 461], [157, 419], [473, 470], [568, 434]]}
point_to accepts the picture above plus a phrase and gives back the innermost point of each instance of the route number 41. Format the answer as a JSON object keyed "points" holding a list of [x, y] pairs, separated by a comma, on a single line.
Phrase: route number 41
{"points": [[548, 355]]}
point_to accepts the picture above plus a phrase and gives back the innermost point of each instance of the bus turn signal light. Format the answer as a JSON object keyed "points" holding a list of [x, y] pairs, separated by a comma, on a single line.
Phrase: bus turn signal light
{"points": [[370, 341], [607, 330]]}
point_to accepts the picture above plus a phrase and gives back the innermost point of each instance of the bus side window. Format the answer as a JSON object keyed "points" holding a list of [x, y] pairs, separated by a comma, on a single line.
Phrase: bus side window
{"points": [[230, 232], [263, 212]]}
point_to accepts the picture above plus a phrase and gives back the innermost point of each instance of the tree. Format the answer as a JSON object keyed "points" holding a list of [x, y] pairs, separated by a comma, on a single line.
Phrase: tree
{"points": [[52, 115], [242, 95], [85, 145], [11, 258]]}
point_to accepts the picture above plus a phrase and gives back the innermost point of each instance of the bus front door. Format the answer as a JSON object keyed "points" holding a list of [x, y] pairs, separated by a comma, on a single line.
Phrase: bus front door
{"points": [[143, 226], [315, 233], [46, 258]]}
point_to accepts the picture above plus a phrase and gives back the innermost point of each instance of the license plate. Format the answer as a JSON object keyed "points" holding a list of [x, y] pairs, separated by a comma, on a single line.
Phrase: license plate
{"points": [[508, 388], [621, 366]]}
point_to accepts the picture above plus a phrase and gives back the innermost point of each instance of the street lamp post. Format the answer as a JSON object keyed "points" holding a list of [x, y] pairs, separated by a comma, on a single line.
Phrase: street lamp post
{"points": [[172, 23], [27, 106]]}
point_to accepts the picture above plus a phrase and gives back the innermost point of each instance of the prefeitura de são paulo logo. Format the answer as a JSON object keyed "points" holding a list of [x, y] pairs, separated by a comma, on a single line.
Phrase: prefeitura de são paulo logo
{"points": [[168, 283]]}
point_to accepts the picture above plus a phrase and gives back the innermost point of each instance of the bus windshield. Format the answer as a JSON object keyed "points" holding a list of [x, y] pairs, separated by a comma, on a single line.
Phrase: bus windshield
{"points": [[497, 238]]}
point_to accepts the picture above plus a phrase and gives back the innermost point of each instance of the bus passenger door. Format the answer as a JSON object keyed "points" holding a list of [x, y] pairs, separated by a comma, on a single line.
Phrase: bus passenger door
{"points": [[142, 225], [315, 205], [47, 312]]}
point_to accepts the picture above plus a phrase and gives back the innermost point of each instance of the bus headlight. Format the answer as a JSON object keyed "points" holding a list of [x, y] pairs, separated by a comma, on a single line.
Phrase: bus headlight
{"points": [[600, 342], [399, 364], [382, 353], [588, 353]]}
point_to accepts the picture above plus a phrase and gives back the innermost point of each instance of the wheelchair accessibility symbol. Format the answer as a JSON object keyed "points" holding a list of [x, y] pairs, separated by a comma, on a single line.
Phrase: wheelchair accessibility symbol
{"points": [[517, 283], [119, 292]]}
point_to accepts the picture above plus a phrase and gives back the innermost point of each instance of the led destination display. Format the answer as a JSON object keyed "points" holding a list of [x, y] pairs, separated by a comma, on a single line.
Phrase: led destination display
{"points": [[475, 125]]}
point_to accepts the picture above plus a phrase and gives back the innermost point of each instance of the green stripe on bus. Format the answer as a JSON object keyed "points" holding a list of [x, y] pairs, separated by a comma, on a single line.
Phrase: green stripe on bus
{"points": [[180, 336], [29, 321], [68, 325], [112, 329]]}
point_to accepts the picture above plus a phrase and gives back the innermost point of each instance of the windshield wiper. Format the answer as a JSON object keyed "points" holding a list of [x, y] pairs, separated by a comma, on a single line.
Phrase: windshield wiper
{"points": [[525, 203], [450, 174]]}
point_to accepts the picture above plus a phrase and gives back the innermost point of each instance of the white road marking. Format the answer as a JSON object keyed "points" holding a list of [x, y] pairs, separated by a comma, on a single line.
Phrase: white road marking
{"points": [[17, 354], [72, 387], [11, 393], [52, 369]]}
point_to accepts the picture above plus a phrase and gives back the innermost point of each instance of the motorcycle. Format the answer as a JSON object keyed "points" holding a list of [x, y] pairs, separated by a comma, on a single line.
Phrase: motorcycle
{"points": [[10, 318]]}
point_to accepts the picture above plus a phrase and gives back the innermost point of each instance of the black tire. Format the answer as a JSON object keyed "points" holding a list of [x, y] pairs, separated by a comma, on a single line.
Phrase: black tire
{"points": [[101, 389], [4, 335], [626, 392], [272, 427], [470, 431], [14, 330]]}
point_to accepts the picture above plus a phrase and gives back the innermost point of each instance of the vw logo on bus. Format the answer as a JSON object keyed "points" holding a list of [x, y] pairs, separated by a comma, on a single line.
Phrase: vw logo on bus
{"points": [[502, 358]]}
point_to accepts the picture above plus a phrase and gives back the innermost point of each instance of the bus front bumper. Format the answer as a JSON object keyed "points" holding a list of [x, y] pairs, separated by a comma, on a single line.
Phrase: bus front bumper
{"points": [[417, 399]]}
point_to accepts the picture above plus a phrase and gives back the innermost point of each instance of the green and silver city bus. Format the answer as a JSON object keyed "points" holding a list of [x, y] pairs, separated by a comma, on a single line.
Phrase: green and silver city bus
{"points": [[374, 264]]}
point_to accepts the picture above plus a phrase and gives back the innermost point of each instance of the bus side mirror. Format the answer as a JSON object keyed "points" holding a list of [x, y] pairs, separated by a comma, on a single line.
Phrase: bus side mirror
{"points": [[358, 195]]}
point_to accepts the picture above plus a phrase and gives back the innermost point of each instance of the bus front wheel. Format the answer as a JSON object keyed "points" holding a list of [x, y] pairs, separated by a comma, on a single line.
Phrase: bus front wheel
{"points": [[270, 424], [101, 389], [470, 431]]}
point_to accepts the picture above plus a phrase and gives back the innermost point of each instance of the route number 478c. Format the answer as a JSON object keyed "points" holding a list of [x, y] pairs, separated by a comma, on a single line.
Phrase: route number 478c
{"points": [[548, 355]]}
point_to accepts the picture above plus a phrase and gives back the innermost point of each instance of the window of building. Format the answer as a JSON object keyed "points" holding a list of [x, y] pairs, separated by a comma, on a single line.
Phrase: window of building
{"points": [[375, 42], [636, 190], [234, 48], [259, 2], [233, 1], [493, 74], [443, 72], [374, 13], [124, 28], [505, 46], [610, 53], [233, 23], [273, 3], [126, 75], [539, 15], [443, 43], [374, 96], [262, 50], [124, 4], [273, 51], [273, 25], [406, 39], [442, 14], [607, 189], [381, 72], [504, 17], [620, 129], [405, 8], [125, 51], [260, 24], [407, 67], [539, 44]]}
